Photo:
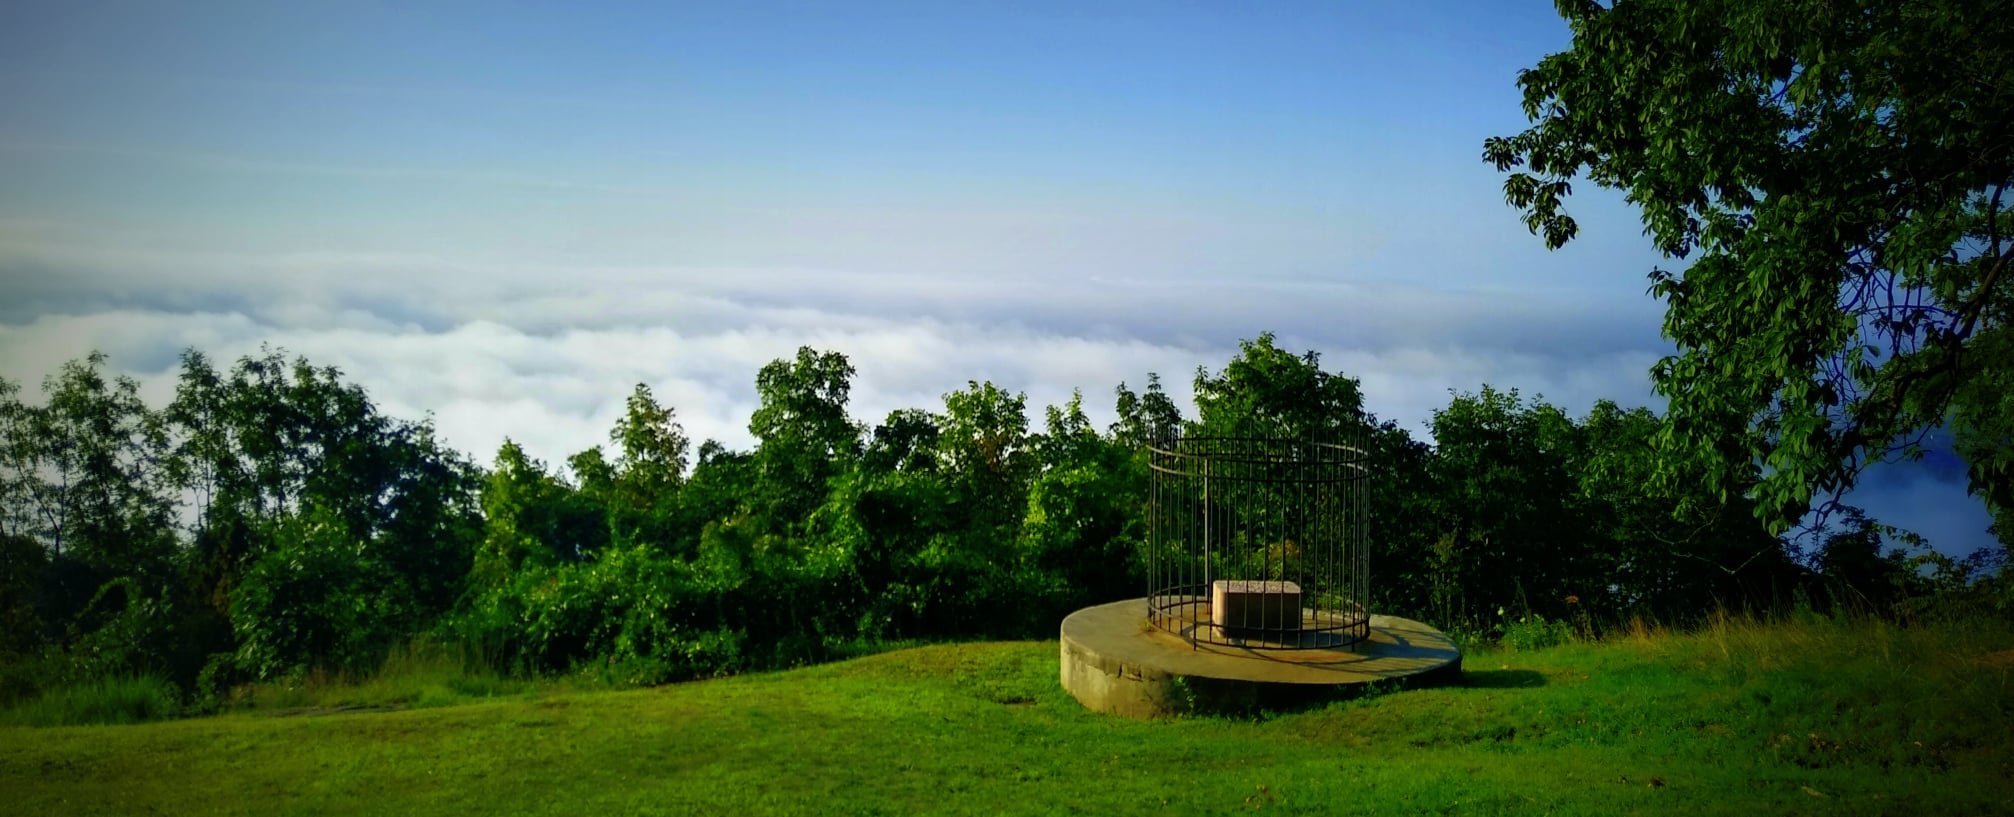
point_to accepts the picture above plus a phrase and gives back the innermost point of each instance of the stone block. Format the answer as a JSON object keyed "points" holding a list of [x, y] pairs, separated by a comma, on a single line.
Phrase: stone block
{"points": [[1244, 604]]}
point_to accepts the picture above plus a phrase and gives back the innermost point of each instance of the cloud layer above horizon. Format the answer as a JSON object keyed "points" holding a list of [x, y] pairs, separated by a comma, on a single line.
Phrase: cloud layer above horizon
{"points": [[545, 355]]}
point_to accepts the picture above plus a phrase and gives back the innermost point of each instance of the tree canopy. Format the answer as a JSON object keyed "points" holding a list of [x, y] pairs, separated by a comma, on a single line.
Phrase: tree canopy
{"points": [[1836, 176], [270, 522]]}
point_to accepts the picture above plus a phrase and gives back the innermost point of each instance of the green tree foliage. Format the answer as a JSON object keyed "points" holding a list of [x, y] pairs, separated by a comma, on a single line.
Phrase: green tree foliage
{"points": [[720, 489], [633, 613], [1083, 528], [1146, 417], [962, 577], [885, 520], [906, 441], [984, 447], [650, 450], [1853, 559], [313, 532], [103, 501], [1982, 422], [885, 516], [274, 437], [533, 517], [1267, 391], [1513, 526], [1663, 545], [803, 433], [23, 563], [641, 485], [87, 484], [318, 596], [1401, 512], [1537, 512], [18, 480], [1836, 175], [305, 495]]}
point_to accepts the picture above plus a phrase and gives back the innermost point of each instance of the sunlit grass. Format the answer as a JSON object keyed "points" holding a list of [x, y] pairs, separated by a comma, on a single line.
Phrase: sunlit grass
{"points": [[1739, 717]]}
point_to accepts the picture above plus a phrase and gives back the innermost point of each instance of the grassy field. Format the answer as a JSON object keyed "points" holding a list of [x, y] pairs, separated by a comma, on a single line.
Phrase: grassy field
{"points": [[1804, 718]]}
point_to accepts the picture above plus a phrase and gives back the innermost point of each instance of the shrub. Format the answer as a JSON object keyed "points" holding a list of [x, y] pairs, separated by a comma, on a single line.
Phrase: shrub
{"points": [[132, 699], [1532, 631], [126, 629], [319, 599], [642, 617]]}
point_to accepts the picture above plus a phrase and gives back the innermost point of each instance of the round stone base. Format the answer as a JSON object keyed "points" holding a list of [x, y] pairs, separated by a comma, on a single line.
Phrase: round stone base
{"points": [[1114, 661]]}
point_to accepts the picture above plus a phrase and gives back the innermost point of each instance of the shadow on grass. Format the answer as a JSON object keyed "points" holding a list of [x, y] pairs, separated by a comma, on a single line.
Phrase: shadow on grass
{"points": [[1209, 696], [1503, 679]]}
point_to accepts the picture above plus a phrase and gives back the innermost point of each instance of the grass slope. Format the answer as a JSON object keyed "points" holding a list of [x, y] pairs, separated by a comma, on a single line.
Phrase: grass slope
{"points": [[1811, 718]]}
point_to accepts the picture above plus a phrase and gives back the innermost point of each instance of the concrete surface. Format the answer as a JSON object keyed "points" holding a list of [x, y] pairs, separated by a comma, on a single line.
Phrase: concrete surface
{"points": [[1114, 661]]}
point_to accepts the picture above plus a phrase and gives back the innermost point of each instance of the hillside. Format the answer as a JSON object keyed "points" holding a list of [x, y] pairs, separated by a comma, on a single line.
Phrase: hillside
{"points": [[1811, 717]]}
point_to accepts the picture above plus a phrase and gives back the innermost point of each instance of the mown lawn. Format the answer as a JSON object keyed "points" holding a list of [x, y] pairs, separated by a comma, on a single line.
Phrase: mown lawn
{"points": [[1811, 718]]}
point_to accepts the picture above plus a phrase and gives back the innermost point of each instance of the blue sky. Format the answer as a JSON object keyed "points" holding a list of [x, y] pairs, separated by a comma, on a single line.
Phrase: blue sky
{"points": [[626, 133], [506, 213]]}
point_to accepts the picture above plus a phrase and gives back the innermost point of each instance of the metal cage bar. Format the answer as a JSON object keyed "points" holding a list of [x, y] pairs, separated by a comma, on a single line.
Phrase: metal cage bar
{"points": [[1258, 542]]}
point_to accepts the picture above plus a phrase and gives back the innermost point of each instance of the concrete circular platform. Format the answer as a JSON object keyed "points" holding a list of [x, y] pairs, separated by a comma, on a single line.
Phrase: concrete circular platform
{"points": [[1114, 661]]}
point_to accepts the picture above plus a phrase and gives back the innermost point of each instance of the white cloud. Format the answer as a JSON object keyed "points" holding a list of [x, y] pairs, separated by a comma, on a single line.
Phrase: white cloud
{"points": [[546, 355], [548, 359]]}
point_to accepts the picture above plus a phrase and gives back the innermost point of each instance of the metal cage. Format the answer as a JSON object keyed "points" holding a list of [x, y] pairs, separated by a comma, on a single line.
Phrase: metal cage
{"points": [[1258, 542]]}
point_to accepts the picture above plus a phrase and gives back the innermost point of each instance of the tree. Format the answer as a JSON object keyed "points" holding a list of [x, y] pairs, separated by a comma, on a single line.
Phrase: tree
{"points": [[1668, 546], [204, 459], [803, 405], [88, 485], [295, 470], [1401, 511], [650, 451], [637, 491], [104, 499], [1068, 437], [1082, 530], [1983, 426], [1267, 391], [1514, 532], [906, 441], [430, 519], [966, 569], [1859, 573], [531, 516], [1146, 417], [1837, 174], [22, 565], [804, 435], [721, 484], [985, 446], [23, 560], [20, 480], [318, 597]]}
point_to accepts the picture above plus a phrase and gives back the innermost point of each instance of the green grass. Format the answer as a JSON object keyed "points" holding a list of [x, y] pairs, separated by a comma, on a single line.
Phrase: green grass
{"points": [[420, 675], [114, 701], [1810, 717]]}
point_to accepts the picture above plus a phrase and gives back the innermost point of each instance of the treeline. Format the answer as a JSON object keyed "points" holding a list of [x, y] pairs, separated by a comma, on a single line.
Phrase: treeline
{"points": [[269, 521]]}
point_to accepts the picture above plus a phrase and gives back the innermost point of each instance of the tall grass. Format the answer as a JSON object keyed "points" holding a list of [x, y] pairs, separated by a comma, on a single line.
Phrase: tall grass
{"points": [[114, 700], [429, 673], [419, 674]]}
